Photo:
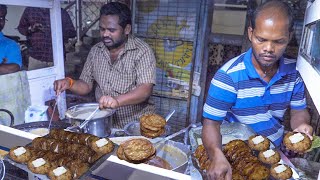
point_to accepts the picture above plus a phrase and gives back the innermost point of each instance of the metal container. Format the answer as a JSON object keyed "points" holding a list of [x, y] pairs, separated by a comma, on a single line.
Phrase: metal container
{"points": [[175, 153], [101, 123]]}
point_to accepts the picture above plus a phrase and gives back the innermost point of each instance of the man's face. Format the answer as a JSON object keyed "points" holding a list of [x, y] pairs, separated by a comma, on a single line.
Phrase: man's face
{"points": [[112, 34], [269, 39], [3, 14]]}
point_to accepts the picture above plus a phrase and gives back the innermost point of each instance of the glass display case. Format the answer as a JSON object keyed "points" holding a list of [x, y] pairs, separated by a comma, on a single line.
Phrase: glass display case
{"points": [[309, 54]]}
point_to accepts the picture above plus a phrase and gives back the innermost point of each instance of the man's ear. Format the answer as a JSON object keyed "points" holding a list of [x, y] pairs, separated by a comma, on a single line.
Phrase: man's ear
{"points": [[127, 29], [250, 32]]}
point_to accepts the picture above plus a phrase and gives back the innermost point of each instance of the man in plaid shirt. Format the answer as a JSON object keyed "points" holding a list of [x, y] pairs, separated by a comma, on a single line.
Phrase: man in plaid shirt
{"points": [[123, 66]]}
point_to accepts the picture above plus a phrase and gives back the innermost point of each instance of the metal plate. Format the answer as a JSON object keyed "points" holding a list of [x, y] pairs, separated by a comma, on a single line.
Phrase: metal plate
{"points": [[93, 166], [133, 129], [41, 124], [175, 153], [229, 132]]}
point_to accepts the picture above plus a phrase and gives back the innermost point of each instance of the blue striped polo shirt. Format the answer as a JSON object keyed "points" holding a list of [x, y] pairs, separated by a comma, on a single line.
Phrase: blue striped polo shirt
{"points": [[237, 93]]}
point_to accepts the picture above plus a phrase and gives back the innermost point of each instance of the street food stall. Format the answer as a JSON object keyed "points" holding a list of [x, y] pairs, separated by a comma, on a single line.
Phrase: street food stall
{"points": [[129, 153]]}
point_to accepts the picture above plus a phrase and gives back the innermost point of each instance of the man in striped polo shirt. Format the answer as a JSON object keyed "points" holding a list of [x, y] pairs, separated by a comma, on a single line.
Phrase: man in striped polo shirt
{"points": [[256, 88]]}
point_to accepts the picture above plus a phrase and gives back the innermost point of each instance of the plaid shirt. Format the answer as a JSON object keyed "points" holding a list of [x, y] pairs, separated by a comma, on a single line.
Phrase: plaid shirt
{"points": [[40, 42], [135, 65]]}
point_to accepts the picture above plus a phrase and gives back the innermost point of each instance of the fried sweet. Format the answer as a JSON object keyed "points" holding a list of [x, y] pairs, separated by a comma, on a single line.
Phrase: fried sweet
{"points": [[105, 149], [152, 134], [237, 176], [275, 158], [120, 153], [20, 154], [138, 149], [66, 175], [153, 122], [259, 172], [233, 143], [199, 151], [43, 169], [262, 146], [286, 174], [300, 146]]}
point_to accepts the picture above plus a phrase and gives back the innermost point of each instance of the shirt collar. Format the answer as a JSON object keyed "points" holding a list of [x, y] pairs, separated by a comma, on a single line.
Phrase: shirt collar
{"points": [[1, 35], [252, 72]]}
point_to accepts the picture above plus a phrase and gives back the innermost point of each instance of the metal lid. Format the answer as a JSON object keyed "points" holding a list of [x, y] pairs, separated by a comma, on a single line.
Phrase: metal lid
{"points": [[82, 111]]}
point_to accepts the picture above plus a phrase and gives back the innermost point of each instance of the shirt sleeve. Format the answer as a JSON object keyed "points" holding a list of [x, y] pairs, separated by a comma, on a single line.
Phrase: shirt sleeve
{"points": [[14, 54], [146, 67], [298, 99], [87, 72], [221, 96]]}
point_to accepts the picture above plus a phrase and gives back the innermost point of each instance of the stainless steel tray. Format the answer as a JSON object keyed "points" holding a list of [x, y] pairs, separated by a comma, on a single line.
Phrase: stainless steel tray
{"points": [[229, 131], [94, 166]]}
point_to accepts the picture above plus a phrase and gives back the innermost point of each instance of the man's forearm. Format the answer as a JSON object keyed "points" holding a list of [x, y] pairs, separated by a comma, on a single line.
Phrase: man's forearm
{"points": [[136, 96], [8, 68], [211, 136], [80, 87]]}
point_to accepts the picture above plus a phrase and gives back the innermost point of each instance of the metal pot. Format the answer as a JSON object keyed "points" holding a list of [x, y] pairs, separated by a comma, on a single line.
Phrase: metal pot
{"points": [[101, 123], [11, 116]]}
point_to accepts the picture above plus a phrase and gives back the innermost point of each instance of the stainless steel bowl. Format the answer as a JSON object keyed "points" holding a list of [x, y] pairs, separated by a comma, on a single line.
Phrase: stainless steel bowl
{"points": [[101, 123]]}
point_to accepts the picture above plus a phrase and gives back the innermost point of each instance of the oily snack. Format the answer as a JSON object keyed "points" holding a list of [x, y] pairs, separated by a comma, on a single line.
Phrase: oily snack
{"points": [[105, 149], [300, 146], [20, 158], [275, 158], [152, 135], [138, 149], [152, 125], [259, 172], [153, 121], [262, 146], [286, 174], [67, 175], [43, 169]]}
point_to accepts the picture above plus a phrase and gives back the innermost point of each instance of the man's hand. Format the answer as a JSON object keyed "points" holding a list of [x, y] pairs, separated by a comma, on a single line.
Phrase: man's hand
{"points": [[61, 85], [35, 27], [108, 102], [305, 128], [219, 168]]}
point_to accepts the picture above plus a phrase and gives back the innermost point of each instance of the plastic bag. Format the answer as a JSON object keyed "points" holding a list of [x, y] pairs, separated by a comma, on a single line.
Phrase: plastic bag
{"points": [[36, 113]]}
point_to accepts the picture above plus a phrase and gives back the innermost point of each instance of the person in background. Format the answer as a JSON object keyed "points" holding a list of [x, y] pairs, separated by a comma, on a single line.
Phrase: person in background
{"points": [[123, 67], [35, 25], [256, 88], [10, 54]]}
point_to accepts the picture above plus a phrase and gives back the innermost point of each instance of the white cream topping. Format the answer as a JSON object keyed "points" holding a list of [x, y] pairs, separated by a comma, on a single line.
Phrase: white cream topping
{"points": [[199, 141], [297, 137], [101, 142], [268, 153], [19, 151], [38, 162], [257, 139], [280, 168], [59, 171]]}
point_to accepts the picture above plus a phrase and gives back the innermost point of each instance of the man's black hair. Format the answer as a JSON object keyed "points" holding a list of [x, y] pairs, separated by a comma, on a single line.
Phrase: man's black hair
{"points": [[3, 7], [284, 7], [119, 9]]}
